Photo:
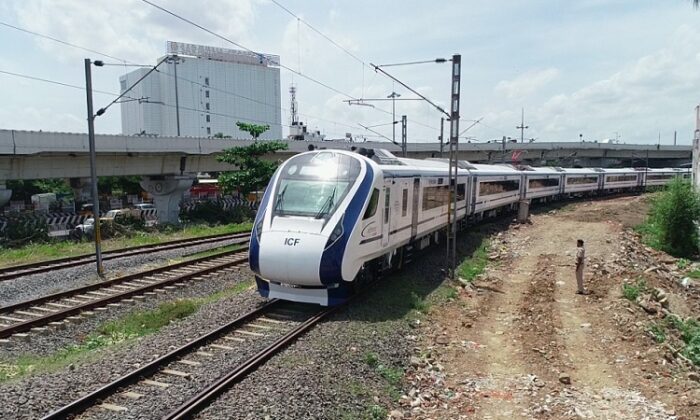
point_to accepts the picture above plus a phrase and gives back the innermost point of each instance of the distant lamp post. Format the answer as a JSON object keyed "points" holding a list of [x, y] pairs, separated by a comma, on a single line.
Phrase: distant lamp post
{"points": [[393, 97], [580, 138]]}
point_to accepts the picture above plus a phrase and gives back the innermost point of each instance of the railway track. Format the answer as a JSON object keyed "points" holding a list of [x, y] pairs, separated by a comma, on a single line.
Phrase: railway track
{"points": [[55, 310], [16, 271], [277, 322]]}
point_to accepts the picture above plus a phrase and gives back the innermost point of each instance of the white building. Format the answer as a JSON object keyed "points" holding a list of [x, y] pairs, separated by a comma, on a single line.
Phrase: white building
{"points": [[216, 87]]}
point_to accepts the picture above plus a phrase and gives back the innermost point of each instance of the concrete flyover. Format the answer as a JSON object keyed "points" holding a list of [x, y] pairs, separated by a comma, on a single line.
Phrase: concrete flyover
{"points": [[169, 161]]}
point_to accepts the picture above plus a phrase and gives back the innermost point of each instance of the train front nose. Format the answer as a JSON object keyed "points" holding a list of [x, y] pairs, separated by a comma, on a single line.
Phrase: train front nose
{"points": [[291, 257]]}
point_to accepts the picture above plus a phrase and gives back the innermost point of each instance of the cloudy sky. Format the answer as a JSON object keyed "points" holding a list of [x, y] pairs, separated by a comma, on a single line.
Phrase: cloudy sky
{"points": [[601, 68]]}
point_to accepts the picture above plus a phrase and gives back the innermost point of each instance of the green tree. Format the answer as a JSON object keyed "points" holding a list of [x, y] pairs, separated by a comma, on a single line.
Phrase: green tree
{"points": [[255, 130], [23, 190], [673, 218], [221, 135], [253, 172], [119, 185]]}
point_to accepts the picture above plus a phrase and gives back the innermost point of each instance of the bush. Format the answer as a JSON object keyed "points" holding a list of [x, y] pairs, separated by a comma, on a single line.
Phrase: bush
{"points": [[22, 229], [213, 212], [672, 220], [632, 291]]}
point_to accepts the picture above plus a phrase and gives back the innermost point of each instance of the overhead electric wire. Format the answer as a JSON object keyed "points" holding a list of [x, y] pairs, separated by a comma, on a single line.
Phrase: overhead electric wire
{"points": [[360, 60], [320, 33], [102, 110], [209, 31], [129, 63], [60, 41], [329, 39], [55, 82]]}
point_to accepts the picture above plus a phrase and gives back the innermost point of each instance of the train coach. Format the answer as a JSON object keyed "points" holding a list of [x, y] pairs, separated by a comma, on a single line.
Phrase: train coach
{"points": [[331, 220]]}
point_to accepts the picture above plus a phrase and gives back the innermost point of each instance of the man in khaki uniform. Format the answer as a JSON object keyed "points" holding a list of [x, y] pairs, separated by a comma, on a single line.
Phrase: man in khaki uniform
{"points": [[580, 262]]}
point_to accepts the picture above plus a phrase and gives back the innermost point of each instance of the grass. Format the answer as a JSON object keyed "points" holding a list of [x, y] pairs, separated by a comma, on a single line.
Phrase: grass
{"points": [[688, 330], [694, 274], [682, 263], [658, 331], [115, 332], [59, 249], [690, 334], [471, 267], [391, 375], [650, 233], [632, 291], [418, 303]]}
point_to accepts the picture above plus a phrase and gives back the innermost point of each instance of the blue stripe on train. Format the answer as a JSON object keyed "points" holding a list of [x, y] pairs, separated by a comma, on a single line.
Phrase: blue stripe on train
{"points": [[254, 249], [330, 270]]}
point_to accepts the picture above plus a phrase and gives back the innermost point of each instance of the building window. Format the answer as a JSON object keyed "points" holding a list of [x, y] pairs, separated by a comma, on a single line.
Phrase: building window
{"points": [[206, 81], [209, 130], [208, 118], [206, 105], [122, 84], [206, 93]]}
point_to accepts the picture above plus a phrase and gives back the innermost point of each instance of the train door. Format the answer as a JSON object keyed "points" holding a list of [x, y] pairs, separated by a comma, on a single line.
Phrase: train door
{"points": [[386, 215], [414, 207]]}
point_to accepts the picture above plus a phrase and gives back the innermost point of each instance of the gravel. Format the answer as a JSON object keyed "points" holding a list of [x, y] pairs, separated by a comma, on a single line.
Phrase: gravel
{"points": [[349, 366], [328, 373], [35, 396], [30, 287], [53, 340]]}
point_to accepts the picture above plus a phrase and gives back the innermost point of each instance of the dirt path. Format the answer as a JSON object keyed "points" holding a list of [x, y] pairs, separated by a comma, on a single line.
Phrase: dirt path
{"points": [[525, 345]]}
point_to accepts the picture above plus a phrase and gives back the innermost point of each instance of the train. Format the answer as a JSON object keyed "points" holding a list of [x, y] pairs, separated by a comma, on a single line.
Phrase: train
{"points": [[330, 220]]}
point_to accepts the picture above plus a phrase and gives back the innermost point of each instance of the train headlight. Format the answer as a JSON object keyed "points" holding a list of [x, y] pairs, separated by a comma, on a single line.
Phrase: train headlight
{"points": [[336, 234], [258, 227]]}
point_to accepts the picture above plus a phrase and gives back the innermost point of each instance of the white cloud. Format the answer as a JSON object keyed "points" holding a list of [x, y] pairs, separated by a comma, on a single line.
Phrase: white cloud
{"points": [[26, 117], [526, 83], [655, 93], [130, 29]]}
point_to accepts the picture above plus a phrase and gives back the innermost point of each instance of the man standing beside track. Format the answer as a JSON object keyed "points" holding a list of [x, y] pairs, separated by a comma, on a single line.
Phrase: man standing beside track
{"points": [[580, 262]]}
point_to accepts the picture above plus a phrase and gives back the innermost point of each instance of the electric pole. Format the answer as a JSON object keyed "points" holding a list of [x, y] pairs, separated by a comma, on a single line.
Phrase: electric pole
{"points": [[442, 137], [522, 126], [175, 60], [93, 169], [403, 134], [454, 160]]}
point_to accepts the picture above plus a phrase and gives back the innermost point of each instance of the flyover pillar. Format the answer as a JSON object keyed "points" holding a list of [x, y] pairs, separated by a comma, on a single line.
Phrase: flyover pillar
{"points": [[5, 194], [167, 193], [81, 188]]}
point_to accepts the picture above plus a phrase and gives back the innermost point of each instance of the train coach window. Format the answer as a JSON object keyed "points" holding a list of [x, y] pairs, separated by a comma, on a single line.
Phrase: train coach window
{"points": [[582, 180], [497, 187], [461, 192], [387, 204], [621, 178], [435, 196], [543, 183], [372, 207], [650, 177], [404, 202]]}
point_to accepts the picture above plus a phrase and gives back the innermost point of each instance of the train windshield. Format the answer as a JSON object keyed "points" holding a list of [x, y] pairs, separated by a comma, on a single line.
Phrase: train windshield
{"points": [[312, 185]]}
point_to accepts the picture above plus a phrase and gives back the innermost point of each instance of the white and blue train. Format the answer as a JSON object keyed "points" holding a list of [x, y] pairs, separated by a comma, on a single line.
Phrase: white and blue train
{"points": [[331, 219]]}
